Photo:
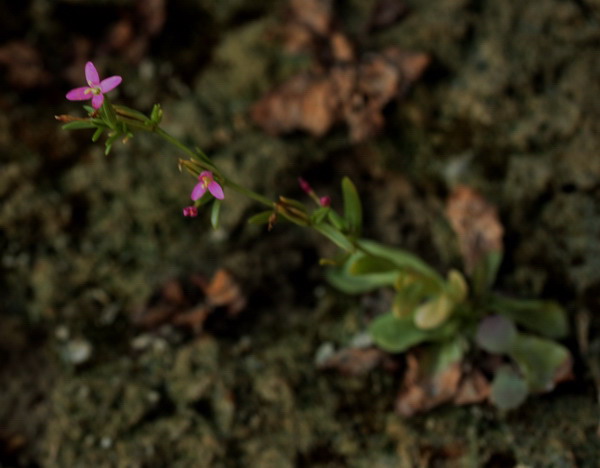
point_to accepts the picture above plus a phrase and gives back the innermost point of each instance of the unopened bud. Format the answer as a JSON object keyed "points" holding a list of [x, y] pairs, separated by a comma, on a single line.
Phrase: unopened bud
{"points": [[304, 185], [190, 211], [325, 201]]}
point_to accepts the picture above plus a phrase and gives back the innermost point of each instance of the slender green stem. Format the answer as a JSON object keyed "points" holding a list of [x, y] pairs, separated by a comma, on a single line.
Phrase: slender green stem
{"points": [[174, 141], [344, 241], [249, 193]]}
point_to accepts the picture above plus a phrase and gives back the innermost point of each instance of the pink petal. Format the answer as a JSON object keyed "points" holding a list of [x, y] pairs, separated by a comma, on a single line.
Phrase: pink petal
{"points": [[216, 190], [198, 191], [91, 74], [79, 94], [205, 174], [97, 101], [110, 83]]}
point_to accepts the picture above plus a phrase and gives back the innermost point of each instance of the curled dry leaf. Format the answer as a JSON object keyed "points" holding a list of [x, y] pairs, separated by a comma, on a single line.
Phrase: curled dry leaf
{"points": [[423, 392], [476, 224], [474, 388], [224, 291], [189, 303]]}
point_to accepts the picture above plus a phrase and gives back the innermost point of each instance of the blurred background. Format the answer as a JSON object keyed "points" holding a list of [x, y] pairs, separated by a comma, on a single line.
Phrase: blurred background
{"points": [[132, 336]]}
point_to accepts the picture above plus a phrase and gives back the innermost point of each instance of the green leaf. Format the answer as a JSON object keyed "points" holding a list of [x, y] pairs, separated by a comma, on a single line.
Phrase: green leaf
{"points": [[440, 356], [97, 134], [156, 114], [132, 113], [544, 317], [457, 286], [485, 272], [508, 390], [402, 259], [396, 335], [434, 312], [408, 298], [108, 114], [79, 125], [261, 218], [496, 334], [342, 279], [539, 359], [335, 236], [365, 264], [319, 214], [109, 142], [214, 214], [89, 109], [352, 207], [337, 220]]}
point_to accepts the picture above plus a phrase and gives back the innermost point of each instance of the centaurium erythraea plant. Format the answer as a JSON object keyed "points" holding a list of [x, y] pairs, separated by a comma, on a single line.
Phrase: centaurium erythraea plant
{"points": [[428, 309]]}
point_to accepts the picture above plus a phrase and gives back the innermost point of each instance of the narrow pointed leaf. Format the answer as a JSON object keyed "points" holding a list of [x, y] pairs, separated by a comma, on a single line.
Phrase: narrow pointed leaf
{"points": [[78, 125], [337, 220], [352, 207], [214, 214], [261, 218], [402, 259], [335, 236]]}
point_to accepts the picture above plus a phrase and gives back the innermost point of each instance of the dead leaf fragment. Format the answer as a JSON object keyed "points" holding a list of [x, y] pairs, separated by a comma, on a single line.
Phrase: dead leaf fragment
{"points": [[423, 392], [354, 361], [474, 388], [354, 93], [189, 302], [476, 224], [223, 290], [341, 88]]}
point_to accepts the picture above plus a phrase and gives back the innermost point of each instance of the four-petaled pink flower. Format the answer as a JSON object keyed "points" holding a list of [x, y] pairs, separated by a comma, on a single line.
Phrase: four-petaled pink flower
{"points": [[190, 211], [207, 182], [95, 89]]}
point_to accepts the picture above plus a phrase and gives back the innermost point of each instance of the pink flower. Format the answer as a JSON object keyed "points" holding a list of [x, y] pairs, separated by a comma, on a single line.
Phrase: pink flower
{"points": [[95, 89], [206, 181], [190, 211], [325, 201]]}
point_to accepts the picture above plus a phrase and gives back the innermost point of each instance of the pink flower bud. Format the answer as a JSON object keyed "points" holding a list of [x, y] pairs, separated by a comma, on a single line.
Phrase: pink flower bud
{"points": [[304, 185], [190, 211], [325, 201]]}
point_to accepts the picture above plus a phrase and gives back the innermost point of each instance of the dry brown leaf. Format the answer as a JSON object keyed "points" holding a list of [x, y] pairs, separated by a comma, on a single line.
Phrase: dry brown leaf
{"points": [[422, 392], [476, 224], [315, 15], [354, 361], [223, 290], [193, 318], [341, 88], [189, 303], [353, 93], [474, 388], [305, 102]]}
